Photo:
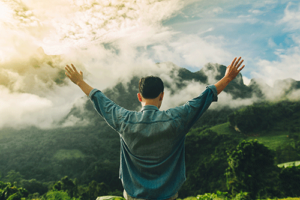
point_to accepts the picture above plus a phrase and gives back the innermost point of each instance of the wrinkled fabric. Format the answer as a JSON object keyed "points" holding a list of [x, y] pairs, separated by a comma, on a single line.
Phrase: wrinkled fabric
{"points": [[152, 159]]}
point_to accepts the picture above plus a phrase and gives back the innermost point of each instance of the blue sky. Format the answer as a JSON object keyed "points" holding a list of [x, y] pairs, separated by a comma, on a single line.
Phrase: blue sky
{"points": [[251, 29]]}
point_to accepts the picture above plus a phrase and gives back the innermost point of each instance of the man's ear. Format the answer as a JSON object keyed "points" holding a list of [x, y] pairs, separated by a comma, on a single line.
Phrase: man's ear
{"points": [[161, 96], [139, 96]]}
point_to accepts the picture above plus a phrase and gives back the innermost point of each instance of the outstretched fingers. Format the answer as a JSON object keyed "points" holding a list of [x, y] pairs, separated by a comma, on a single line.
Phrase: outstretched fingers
{"points": [[67, 75], [241, 68], [239, 64], [232, 63], [74, 68], [68, 68]]}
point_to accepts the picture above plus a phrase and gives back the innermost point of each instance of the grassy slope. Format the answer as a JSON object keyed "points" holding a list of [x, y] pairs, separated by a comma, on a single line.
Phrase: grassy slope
{"points": [[272, 139], [277, 137]]}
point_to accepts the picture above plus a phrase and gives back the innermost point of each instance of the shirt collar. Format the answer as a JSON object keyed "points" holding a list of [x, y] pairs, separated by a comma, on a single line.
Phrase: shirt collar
{"points": [[149, 107]]}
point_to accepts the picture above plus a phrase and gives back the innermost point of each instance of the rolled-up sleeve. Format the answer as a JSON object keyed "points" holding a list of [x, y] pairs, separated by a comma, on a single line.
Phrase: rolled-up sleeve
{"points": [[192, 110], [215, 92], [112, 113]]}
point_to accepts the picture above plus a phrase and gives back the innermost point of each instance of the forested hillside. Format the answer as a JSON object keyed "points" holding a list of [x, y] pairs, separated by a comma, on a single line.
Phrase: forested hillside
{"points": [[40, 159]]}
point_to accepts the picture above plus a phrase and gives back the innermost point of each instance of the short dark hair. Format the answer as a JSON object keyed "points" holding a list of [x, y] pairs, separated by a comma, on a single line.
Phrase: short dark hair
{"points": [[150, 87]]}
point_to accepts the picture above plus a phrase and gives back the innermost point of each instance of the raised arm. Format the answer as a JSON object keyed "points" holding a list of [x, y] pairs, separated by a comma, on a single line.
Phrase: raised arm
{"points": [[111, 112], [231, 72], [77, 78]]}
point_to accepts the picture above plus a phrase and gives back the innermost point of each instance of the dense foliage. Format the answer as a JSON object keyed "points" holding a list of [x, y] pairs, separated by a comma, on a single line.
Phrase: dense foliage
{"points": [[263, 116], [206, 161], [251, 168], [250, 172], [8, 191]]}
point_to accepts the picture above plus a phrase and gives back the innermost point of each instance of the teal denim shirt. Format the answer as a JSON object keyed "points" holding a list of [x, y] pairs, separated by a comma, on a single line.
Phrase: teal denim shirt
{"points": [[152, 163]]}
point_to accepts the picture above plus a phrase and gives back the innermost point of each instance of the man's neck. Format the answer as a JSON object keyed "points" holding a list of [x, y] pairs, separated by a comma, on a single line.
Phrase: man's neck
{"points": [[150, 103]]}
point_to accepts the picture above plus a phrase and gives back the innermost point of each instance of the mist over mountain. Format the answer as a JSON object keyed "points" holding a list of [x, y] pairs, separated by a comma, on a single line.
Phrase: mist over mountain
{"points": [[56, 103], [181, 79]]}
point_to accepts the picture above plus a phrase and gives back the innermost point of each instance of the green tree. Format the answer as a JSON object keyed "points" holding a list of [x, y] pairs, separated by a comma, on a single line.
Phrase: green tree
{"points": [[97, 189], [34, 186], [68, 186], [251, 169], [13, 177], [206, 161], [9, 191], [75, 190], [57, 186]]}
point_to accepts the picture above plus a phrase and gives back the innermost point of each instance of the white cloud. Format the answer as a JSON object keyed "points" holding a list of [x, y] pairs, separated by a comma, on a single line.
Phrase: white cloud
{"points": [[5, 12], [192, 90], [108, 21], [225, 99], [255, 11], [193, 51], [246, 80], [271, 43], [16, 107], [249, 18], [217, 10], [287, 67], [287, 64], [294, 95], [291, 16]]}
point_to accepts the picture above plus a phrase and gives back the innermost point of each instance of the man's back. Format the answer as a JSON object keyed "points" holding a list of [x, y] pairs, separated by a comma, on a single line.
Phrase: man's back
{"points": [[152, 155], [151, 133]]}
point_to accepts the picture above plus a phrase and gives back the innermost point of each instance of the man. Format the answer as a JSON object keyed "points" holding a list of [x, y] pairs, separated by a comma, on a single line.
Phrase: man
{"points": [[152, 164]]}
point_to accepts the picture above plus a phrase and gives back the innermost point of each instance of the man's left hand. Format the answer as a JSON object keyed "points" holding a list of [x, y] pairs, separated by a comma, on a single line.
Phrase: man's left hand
{"points": [[75, 76]]}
